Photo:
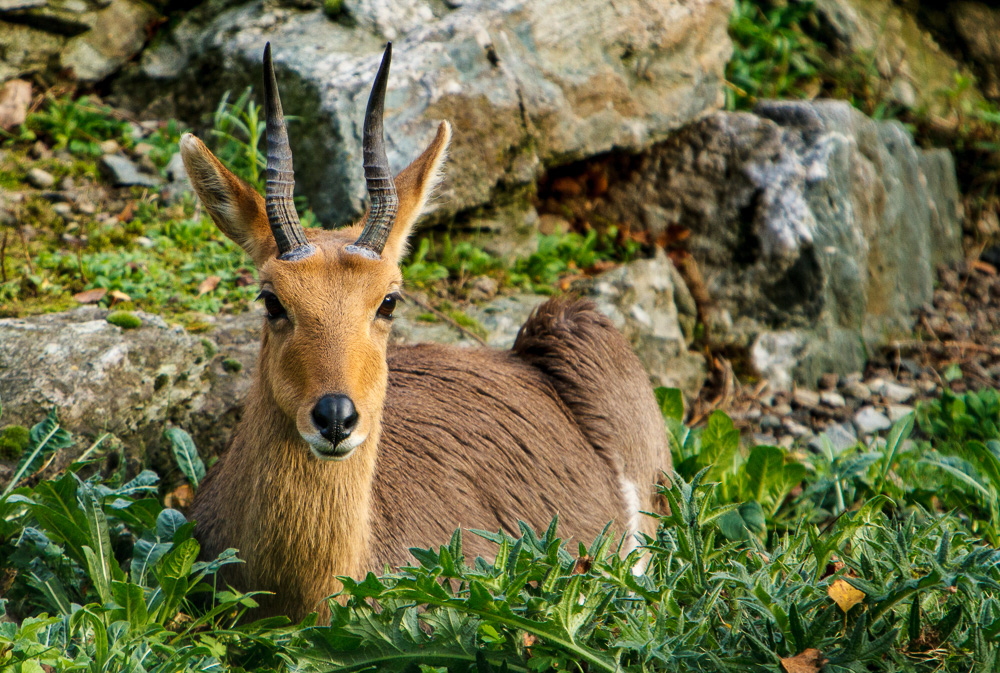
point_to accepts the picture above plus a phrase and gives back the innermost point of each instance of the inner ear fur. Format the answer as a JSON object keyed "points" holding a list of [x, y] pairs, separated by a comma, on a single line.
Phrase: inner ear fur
{"points": [[414, 185], [236, 207]]}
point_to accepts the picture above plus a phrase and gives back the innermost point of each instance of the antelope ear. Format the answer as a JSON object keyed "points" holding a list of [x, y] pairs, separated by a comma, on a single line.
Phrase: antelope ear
{"points": [[236, 207], [414, 185]]}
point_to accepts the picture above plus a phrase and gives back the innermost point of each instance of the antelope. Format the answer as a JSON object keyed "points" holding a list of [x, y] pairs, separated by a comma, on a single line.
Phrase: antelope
{"points": [[350, 450]]}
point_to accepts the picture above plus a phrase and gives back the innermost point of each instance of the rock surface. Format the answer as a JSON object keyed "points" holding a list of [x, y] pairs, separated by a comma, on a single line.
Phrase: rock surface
{"points": [[816, 230], [525, 83], [89, 39], [134, 382], [889, 37]]}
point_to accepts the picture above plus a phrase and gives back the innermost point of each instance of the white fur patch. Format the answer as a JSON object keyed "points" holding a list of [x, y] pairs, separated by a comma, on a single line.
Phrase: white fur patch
{"points": [[633, 510]]}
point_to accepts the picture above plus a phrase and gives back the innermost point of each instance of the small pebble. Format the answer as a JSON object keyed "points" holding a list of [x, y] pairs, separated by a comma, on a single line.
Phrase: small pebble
{"points": [[805, 398], [894, 392], [832, 399], [770, 422], [898, 411], [110, 147], [86, 207], [67, 184], [63, 209], [794, 428], [828, 381], [869, 420], [782, 409], [856, 390], [40, 179], [145, 242]]}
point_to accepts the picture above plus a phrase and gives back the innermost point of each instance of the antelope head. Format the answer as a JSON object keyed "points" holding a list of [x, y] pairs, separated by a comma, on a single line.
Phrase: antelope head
{"points": [[329, 296]]}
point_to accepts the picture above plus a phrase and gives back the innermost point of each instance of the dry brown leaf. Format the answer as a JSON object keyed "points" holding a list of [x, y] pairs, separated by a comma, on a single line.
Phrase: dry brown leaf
{"points": [[90, 296], [528, 639], [208, 285], [117, 296], [582, 565], [179, 498], [844, 595], [809, 660], [985, 267], [128, 212], [15, 96]]}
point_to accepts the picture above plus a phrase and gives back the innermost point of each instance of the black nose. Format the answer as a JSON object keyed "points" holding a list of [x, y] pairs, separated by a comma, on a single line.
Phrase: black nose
{"points": [[335, 417]]}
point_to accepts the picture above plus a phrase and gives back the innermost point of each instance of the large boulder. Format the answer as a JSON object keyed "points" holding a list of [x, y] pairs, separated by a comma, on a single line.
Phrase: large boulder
{"points": [[816, 230], [136, 382], [525, 83], [87, 39]]}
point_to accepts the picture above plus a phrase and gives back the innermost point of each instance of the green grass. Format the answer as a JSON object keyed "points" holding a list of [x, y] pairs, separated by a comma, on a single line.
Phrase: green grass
{"points": [[766, 555]]}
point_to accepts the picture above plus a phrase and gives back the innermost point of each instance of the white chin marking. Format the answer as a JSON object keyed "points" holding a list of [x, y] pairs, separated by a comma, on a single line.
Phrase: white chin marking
{"points": [[323, 449]]}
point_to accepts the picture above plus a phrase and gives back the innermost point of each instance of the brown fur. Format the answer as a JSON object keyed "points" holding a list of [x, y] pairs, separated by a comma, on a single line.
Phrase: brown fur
{"points": [[564, 424]]}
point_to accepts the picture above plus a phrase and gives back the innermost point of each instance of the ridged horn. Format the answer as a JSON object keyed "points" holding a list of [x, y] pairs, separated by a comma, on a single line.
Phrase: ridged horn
{"points": [[281, 215], [381, 188]]}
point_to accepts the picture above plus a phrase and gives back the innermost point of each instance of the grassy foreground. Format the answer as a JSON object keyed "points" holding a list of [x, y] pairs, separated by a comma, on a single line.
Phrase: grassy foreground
{"points": [[879, 558]]}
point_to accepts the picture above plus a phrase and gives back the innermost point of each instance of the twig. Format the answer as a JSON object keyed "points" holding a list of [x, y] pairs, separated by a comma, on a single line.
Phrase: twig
{"points": [[443, 316], [24, 242], [3, 256]]}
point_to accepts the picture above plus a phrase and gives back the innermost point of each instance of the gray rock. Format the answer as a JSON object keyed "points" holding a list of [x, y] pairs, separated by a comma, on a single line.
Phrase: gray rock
{"points": [[869, 420], [640, 299], [123, 173], [525, 83], [770, 422], [40, 179], [128, 382], [832, 399], [88, 39], [815, 228]]}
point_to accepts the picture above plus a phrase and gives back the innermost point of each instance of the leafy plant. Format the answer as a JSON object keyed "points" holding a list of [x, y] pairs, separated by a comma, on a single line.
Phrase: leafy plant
{"points": [[76, 125], [238, 127]]}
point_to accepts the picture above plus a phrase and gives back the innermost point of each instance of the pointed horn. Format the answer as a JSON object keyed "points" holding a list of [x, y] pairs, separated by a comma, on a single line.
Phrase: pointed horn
{"points": [[288, 232], [381, 188]]}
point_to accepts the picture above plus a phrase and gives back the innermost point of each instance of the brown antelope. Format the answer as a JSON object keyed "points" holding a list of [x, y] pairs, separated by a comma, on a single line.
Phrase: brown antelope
{"points": [[350, 451]]}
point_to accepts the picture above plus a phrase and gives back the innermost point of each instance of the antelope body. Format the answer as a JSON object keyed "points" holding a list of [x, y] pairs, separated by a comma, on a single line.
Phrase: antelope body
{"points": [[351, 451]]}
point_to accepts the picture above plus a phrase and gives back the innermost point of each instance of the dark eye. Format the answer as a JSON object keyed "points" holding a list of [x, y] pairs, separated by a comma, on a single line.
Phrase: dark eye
{"points": [[388, 306], [273, 307]]}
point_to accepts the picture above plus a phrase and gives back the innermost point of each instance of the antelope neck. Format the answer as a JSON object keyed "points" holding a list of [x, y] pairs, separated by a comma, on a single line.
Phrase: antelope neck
{"points": [[323, 508]]}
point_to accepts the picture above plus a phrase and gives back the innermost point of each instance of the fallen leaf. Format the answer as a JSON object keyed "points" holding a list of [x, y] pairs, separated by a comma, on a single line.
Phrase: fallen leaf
{"points": [[128, 212], [208, 285], [179, 498], [15, 96], [117, 296], [844, 595], [90, 296], [245, 278], [985, 267], [809, 660], [528, 639], [582, 565]]}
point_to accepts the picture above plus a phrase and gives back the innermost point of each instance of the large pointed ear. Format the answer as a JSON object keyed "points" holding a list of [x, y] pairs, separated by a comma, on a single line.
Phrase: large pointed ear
{"points": [[414, 185], [236, 207]]}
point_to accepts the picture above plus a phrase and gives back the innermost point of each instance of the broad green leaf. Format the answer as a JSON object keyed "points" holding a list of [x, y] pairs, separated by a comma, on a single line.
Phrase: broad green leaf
{"points": [[186, 455], [46, 438], [671, 402]]}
